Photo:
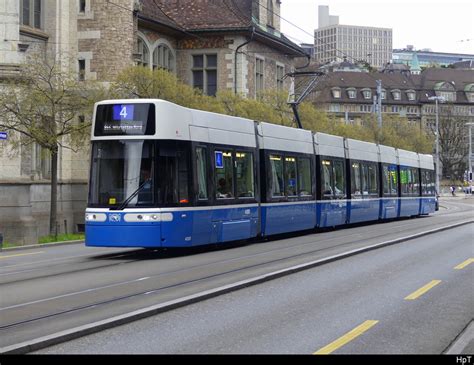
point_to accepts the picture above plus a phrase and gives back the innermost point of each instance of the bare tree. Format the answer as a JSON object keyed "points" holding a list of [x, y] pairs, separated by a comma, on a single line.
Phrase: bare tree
{"points": [[452, 141], [43, 106]]}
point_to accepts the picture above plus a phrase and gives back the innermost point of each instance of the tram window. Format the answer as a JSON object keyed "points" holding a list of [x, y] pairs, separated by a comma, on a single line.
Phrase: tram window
{"points": [[387, 187], [365, 179], [390, 186], [404, 179], [339, 181], [173, 175], [201, 170], [245, 176], [427, 182], [290, 176], [326, 176], [409, 180], [145, 196], [183, 197], [225, 177], [432, 179], [356, 190], [373, 186], [304, 177], [276, 165], [123, 170], [415, 186]]}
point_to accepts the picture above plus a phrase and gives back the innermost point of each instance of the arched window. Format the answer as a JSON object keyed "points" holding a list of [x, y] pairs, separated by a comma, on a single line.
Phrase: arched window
{"points": [[469, 90], [446, 90], [336, 92], [163, 58], [144, 53], [396, 94], [351, 93], [411, 95], [367, 93]]}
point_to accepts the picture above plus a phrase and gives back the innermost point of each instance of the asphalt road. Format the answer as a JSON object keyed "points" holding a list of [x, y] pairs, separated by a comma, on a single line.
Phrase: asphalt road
{"points": [[305, 312], [54, 289]]}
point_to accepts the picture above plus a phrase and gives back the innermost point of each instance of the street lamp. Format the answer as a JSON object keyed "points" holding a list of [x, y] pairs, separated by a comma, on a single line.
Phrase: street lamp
{"points": [[469, 169], [441, 100]]}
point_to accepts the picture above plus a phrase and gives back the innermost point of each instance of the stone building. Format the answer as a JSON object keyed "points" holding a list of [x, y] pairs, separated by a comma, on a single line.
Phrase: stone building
{"points": [[30, 28], [349, 97], [213, 45]]}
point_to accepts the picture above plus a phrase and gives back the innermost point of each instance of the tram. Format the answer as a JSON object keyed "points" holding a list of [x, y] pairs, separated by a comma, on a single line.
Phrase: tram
{"points": [[163, 175]]}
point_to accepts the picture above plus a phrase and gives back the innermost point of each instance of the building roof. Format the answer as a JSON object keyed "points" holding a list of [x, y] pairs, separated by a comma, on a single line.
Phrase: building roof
{"points": [[434, 76], [423, 84], [363, 80], [199, 16]]}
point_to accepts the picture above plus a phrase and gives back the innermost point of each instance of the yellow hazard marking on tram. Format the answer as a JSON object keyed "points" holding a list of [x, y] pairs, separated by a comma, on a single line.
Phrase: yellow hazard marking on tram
{"points": [[418, 293], [349, 336], [462, 265], [21, 254]]}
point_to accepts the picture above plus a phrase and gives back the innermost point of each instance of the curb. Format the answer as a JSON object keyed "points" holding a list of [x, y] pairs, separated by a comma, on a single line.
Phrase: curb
{"points": [[74, 333], [459, 345], [39, 245]]}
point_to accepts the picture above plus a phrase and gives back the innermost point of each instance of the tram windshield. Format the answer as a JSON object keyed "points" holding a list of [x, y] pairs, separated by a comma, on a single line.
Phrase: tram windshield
{"points": [[138, 173], [121, 169]]}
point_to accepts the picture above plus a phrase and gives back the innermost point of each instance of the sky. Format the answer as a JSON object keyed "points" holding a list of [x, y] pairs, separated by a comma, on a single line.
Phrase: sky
{"points": [[442, 26]]}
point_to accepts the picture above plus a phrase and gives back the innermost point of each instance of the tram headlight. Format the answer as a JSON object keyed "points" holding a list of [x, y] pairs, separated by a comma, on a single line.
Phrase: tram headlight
{"points": [[146, 218], [95, 217]]}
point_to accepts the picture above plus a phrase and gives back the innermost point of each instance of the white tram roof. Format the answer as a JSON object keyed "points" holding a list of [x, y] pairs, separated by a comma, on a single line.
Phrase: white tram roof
{"points": [[281, 138], [360, 150], [426, 161], [329, 145], [179, 123], [388, 154], [222, 129], [408, 158]]}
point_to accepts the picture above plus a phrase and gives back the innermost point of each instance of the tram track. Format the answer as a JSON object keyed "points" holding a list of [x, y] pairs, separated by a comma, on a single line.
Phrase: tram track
{"points": [[141, 254], [214, 268], [158, 289], [322, 245]]}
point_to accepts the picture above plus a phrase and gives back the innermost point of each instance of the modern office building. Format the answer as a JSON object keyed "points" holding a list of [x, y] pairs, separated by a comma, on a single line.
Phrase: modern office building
{"points": [[427, 58], [334, 41]]}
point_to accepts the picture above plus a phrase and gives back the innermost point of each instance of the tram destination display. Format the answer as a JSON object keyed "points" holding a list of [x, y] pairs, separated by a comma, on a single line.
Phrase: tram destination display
{"points": [[125, 119]]}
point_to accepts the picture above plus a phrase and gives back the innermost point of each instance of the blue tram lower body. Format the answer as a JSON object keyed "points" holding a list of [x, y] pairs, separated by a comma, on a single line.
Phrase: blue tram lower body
{"points": [[288, 217], [427, 205], [409, 206], [389, 208], [363, 210], [331, 213], [187, 227], [171, 227]]}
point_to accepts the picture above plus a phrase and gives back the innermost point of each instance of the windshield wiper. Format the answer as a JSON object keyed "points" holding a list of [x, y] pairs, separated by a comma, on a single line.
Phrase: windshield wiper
{"points": [[133, 195]]}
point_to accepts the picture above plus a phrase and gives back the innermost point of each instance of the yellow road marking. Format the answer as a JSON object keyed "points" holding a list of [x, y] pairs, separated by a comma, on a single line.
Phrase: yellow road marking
{"points": [[21, 254], [349, 336], [462, 265], [422, 290]]}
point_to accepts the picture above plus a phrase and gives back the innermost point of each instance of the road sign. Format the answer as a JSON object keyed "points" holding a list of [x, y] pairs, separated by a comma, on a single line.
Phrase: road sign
{"points": [[3, 136]]}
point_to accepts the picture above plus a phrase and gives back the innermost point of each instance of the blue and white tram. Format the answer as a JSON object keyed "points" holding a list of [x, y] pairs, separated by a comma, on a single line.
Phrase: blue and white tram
{"points": [[168, 176]]}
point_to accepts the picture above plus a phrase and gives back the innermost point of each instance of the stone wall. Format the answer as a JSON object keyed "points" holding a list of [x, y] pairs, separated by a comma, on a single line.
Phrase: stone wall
{"points": [[272, 58], [107, 38], [24, 210], [219, 45], [9, 14]]}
